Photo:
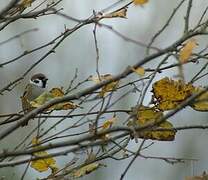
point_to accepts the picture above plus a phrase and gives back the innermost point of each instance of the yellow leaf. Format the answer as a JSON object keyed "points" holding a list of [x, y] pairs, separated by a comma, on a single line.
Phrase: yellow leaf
{"points": [[146, 116], [47, 96], [187, 50], [35, 141], [57, 92], [108, 123], [25, 3], [85, 170], [64, 106], [201, 103], [107, 88], [121, 14], [140, 70], [42, 164], [98, 79], [140, 2], [40, 100], [169, 93]]}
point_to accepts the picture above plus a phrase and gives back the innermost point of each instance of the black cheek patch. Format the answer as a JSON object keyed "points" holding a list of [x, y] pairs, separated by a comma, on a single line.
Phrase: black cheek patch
{"points": [[44, 84]]}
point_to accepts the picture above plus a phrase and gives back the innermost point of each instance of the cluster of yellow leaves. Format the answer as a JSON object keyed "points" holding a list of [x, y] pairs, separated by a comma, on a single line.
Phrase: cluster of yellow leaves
{"points": [[85, 170], [140, 2], [53, 93], [148, 116], [42, 164], [187, 50], [169, 94], [107, 88]]}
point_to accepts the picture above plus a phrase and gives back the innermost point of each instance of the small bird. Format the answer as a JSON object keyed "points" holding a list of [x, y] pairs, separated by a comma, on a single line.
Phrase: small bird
{"points": [[35, 88]]}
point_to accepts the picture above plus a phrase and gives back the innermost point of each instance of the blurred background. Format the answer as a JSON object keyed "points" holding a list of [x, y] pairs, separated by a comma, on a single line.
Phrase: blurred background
{"points": [[78, 52]]}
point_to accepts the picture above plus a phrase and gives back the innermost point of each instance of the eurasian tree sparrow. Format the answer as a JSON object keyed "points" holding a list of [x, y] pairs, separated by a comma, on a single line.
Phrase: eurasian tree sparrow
{"points": [[35, 88]]}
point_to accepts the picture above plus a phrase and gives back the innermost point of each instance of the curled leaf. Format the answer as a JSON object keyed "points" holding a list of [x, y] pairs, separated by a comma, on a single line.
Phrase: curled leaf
{"points": [[117, 14], [187, 50], [140, 70]]}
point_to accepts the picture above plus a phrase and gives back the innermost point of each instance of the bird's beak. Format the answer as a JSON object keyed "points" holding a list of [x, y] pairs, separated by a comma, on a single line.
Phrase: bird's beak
{"points": [[45, 80]]}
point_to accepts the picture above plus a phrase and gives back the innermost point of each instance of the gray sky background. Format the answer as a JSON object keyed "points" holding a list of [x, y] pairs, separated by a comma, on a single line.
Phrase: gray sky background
{"points": [[78, 51]]}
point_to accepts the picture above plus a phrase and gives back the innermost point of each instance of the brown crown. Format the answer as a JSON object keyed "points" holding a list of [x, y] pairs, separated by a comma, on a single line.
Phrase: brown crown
{"points": [[39, 76]]}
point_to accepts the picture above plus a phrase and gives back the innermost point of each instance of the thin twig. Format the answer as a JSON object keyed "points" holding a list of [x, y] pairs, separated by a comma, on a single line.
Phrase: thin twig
{"points": [[186, 27], [133, 159]]}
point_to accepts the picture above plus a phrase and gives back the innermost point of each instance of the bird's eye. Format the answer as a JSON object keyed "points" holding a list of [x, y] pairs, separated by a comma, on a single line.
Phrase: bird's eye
{"points": [[36, 81]]}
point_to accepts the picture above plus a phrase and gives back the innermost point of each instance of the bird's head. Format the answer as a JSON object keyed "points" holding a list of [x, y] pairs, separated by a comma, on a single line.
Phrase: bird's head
{"points": [[39, 80]]}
